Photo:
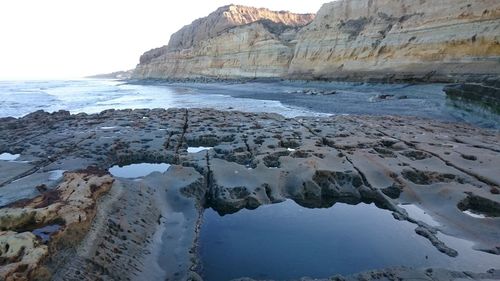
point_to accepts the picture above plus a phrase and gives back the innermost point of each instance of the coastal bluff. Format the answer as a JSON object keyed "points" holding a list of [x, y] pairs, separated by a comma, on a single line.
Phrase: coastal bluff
{"points": [[383, 40], [233, 41]]}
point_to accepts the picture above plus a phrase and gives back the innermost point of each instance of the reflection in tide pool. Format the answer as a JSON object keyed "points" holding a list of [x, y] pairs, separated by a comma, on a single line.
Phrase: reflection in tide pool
{"points": [[417, 213], [285, 241], [9, 157], [45, 232], [474, 214], [137, 170], [198, 149], [56, 174]]}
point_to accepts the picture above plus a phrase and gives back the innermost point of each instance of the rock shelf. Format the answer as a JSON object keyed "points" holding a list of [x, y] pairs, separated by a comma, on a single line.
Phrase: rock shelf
{"points": [[115, 228]]}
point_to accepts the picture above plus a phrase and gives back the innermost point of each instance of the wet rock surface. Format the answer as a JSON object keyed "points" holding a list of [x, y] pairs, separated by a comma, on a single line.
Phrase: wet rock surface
{"points": [[486, 95], [61, 216], [403, 273], [147, 228]]}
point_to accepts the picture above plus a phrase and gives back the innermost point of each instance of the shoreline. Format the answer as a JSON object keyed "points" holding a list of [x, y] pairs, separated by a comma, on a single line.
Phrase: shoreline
{"points": [[243, 80], [287, 98], [357, 77]]}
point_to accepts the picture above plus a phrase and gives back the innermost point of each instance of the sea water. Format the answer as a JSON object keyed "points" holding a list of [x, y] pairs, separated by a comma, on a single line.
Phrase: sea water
{"points": [[18, 98]]}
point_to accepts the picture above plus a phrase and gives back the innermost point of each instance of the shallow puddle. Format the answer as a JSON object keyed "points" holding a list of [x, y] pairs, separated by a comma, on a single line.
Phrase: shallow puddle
{"points": [[9, 157], [198, 149], [286, 241], [417, 213], [108, 128], [56, 174], [474, 214], [45, 232], [134, 171]]}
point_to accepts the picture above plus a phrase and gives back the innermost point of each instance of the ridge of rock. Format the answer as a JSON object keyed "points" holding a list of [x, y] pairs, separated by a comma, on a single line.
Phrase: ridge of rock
{"points": [[227, 17], [221, 20]]}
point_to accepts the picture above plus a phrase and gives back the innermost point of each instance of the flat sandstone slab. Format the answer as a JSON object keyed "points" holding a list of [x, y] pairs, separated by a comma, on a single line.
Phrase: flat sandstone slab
{"points": [[255, 159]]}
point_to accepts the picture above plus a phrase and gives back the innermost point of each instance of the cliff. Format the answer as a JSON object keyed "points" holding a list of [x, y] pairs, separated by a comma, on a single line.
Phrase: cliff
{"points": [[428, 40], [226, 18], [401, 39], [234, 41]]}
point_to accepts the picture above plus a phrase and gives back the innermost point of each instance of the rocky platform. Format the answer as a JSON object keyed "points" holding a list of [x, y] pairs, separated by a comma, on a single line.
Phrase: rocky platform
{"points": [[89, 225]]}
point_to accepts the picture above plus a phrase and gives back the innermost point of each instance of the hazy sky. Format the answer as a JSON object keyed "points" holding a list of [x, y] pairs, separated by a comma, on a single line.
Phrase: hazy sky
{"points": [[74, 38]]}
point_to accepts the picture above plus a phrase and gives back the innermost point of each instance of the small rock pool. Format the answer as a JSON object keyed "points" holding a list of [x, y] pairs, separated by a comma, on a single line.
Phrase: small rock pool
{"points": [[286, 241], [46, 232], [8, 157], [198, 149], [138, 170]]}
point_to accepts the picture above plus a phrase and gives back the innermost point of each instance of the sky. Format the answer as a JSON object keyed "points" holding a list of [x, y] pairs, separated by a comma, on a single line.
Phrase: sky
{"points": [[71, 39]]}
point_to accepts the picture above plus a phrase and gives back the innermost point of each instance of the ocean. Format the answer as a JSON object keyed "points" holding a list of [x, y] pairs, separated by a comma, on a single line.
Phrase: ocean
{"points": [[290, 99]]}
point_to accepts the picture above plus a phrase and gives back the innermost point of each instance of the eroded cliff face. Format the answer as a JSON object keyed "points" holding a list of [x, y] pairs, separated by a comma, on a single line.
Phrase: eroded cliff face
{"points": [[400, 39], [234, 41], [226, 18], [429, 40], [246, 51]]}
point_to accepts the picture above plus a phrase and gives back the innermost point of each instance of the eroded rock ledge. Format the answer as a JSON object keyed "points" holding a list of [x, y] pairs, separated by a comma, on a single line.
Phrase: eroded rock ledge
{"points": [[116, 228]]}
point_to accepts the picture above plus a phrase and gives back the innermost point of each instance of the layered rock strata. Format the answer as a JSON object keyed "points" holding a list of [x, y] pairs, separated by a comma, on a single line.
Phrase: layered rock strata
{"points": [[147, 228], [429, 40], [234, 41]]}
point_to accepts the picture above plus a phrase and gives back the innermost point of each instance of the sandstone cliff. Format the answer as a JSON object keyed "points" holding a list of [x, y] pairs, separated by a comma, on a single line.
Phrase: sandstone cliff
{"points": [[234, 41], [430, 40], [226, 18], [426, 39]]}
